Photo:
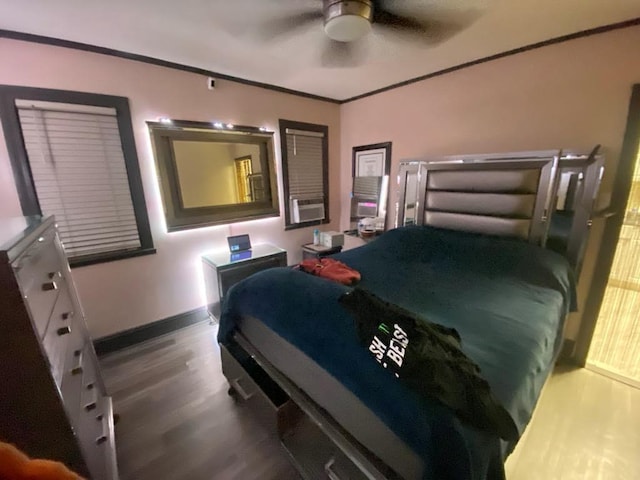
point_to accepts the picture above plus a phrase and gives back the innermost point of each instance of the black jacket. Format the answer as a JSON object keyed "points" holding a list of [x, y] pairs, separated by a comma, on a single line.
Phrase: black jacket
{"points": [[426, 357]]}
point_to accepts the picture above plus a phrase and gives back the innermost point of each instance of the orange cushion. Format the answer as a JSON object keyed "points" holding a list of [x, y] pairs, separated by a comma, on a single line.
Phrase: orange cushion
{"points": [[15, 465]]}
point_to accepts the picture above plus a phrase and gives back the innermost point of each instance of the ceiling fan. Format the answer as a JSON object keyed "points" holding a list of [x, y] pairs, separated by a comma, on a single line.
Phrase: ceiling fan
{"points": [[347, 21]]}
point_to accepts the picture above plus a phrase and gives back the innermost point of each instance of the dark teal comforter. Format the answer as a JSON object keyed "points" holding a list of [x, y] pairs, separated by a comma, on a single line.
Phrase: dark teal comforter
{"points": [[506, 298]]}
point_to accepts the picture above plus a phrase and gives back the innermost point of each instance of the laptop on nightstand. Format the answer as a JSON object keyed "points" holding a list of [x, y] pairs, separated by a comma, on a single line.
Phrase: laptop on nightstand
{"points": [[240, 247]]}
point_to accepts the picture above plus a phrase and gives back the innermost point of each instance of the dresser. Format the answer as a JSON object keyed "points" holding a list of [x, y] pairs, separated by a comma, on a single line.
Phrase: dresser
{"points": [[53, 402], [222, 270]]}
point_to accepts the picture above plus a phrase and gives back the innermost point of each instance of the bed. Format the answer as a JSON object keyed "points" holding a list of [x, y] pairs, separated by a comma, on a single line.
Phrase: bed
{"points": [[576, 187], [565, 210], [468, 254]]}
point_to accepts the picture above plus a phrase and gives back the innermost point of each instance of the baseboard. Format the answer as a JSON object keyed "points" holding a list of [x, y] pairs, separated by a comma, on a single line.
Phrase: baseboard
{"points": [[614, 375], [133, 336]]}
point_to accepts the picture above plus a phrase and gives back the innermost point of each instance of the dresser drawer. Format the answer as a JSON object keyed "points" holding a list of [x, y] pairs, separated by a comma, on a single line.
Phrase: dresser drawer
{"points": [[103, 457], [95, 432], [90, 394], [89, 426], [79, 382], [60, 330], [39, 273]]}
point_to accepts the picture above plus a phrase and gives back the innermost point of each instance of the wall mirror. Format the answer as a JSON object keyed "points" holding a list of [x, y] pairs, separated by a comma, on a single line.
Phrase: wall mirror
{"points": [[370, 187], [212, 176]]}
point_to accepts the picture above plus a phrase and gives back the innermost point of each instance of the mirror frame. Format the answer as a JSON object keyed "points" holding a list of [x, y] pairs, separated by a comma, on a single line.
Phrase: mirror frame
{"points": [[179, 218], [376, 146], [386, 170]]}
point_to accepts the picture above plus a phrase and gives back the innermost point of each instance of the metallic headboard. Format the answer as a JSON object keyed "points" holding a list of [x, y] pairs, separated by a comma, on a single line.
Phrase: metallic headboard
{"points": [[579, 199], [506, 195], [511, 194]]}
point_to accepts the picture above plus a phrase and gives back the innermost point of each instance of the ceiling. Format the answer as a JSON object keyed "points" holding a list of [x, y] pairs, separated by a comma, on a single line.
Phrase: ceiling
{"points": [[228, 36]]}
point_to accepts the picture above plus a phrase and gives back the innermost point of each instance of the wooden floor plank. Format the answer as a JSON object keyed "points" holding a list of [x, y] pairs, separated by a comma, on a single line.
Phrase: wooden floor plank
{"points": [[178, 423], [176, 419]]}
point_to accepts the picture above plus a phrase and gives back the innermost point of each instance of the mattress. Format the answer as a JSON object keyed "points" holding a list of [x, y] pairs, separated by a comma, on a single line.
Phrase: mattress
{"points": [[347, 409]]}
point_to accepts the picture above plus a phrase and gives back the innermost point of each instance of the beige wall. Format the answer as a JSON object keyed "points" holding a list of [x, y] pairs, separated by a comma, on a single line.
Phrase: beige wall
{"points": [[206, 173], [132, 292], [573, 94]]}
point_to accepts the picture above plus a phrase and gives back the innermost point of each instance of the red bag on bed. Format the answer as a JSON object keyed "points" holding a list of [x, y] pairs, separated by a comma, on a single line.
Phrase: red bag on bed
{"points": [[331, 269]]}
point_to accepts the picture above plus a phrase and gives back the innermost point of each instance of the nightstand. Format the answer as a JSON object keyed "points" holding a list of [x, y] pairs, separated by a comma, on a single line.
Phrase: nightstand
{"points": [[223, 270], [318, 251], [354, 241]]}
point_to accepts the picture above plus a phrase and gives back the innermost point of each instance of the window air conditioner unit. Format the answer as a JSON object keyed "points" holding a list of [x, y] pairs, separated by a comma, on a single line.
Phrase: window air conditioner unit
{"points": [[307, 210], [367, 209]]}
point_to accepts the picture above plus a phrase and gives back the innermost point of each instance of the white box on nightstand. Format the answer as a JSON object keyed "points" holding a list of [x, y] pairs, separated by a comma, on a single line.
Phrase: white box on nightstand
{"points": [[331, 239]]}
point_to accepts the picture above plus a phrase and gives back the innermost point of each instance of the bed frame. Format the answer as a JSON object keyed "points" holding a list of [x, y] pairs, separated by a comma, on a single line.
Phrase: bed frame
{"points": [[316, 444], [511, 194], [579, 196]]}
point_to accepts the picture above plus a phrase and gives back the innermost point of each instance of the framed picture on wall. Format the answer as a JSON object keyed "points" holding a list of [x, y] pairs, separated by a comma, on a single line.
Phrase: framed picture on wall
{"points": [[372, 160]]}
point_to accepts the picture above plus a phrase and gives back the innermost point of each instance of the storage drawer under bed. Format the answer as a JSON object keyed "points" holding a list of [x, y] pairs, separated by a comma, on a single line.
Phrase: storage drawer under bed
{"points": [[310, 450], [316, 457], [318, 447], [262, 396]]}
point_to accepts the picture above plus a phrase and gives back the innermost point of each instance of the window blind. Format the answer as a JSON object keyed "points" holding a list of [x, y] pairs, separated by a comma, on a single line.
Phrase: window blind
{"points": [[79, 173], [304, 164], [366, 187]]}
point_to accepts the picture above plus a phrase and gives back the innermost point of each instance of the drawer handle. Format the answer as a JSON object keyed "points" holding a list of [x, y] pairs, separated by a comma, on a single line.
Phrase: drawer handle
{"points": [[104, 436], [93, 403], [54, 275], [235, 383], [48, 286], [64, 331], [328, 469], [77, 368], [67, 315]]}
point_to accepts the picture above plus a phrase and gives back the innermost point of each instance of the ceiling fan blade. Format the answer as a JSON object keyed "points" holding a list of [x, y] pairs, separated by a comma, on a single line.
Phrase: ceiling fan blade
{"points": [[384, 17], [288, 25], [342, 54], [434, 26]]}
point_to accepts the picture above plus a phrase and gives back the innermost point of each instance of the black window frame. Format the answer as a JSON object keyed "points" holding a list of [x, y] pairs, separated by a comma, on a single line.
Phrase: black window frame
{"points": [[310, 127], [22, 170]]}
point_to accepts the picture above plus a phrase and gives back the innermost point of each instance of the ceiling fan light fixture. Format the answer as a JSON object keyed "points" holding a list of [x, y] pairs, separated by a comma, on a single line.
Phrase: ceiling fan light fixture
{"points": [[347, 20], [347, 28]]}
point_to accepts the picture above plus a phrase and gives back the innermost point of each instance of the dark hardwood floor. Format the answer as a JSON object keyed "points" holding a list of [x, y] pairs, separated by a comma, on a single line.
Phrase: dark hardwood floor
{"points": [[176, 419]]}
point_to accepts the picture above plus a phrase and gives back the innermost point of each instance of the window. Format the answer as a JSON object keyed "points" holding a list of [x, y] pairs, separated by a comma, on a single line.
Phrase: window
{"points": [[73, 156], [305, 173]]}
